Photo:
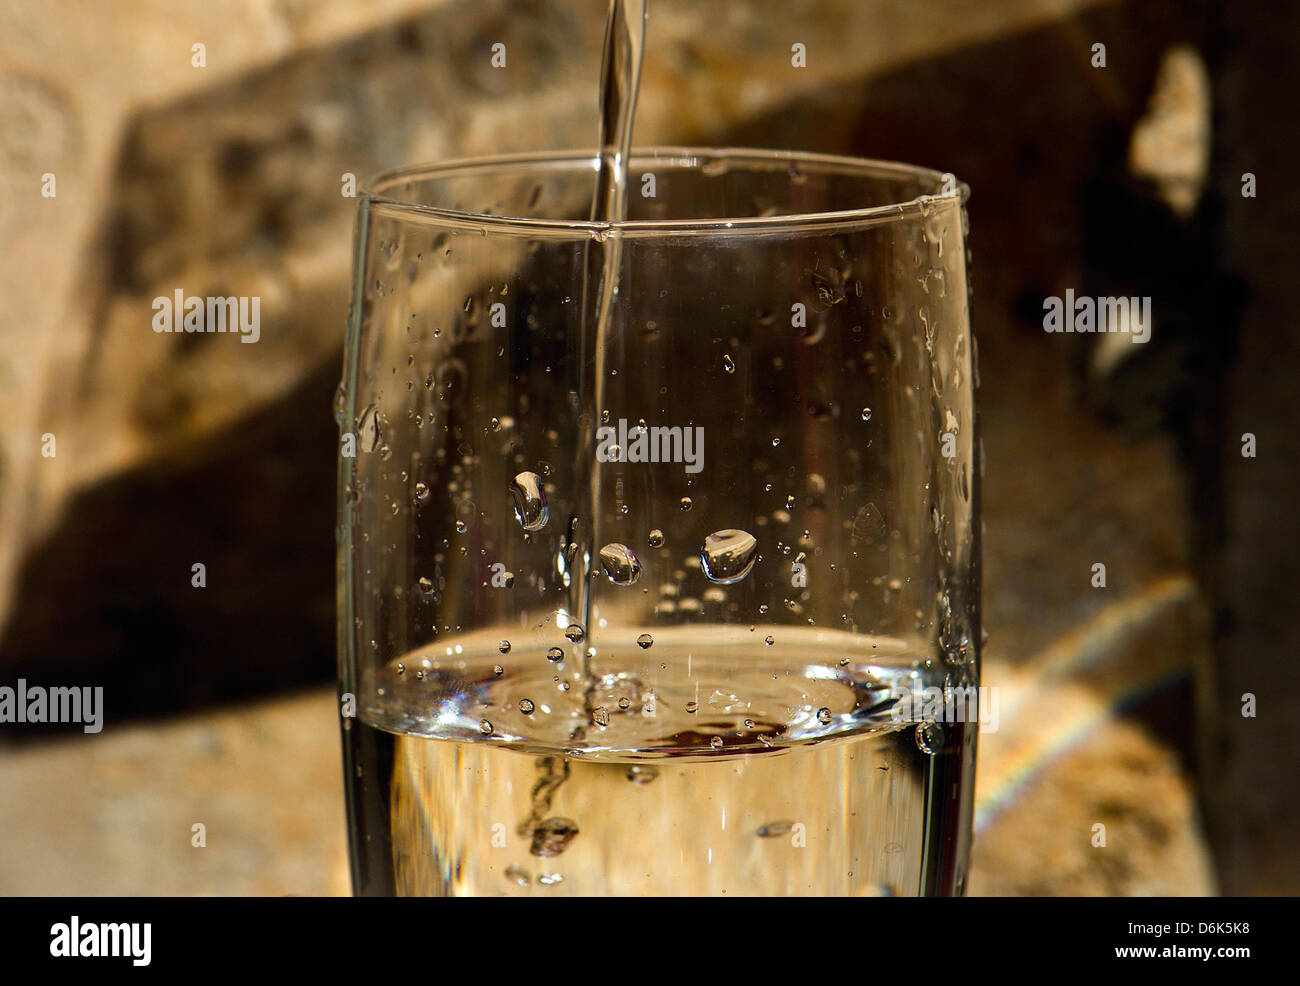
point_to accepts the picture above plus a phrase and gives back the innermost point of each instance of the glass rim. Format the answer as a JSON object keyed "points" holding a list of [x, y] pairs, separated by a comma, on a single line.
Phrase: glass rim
{"points": [[691, 157]]}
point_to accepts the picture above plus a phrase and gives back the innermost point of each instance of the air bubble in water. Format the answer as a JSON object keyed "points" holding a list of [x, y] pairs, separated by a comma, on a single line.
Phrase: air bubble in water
{"points": [[485, 727], [644, 641], [641, 775], [686, 503], [426, 586], [769, 640], [555, 655], [728, 556], [552, 837], [504, 647], [574, 632], [716, 742], [824, 716], [866, 414], [526, 706], [655, 538], [421, 492], [530, 501], [728, 364], [620, 563]]}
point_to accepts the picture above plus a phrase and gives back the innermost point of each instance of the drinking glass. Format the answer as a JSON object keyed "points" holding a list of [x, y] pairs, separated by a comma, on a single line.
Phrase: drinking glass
{"points": [[676, 602]]}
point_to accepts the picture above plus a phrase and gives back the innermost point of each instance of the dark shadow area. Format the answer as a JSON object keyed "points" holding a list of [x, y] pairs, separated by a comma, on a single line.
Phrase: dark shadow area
{"points": [[108, 600]]}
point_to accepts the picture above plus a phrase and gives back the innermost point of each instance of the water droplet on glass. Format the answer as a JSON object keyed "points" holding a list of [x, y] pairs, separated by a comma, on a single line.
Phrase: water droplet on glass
{"points": [[461, 527], [929, 736], [686, 503], [868, 525], [824, 716], [368, 429], [425, 585], [555, 655], [692, 707], [485, 727], [773, 830], [574, 632], [421, 492], [716, 742], [728, 556], [655, 538], [600, 716], [644, 641], [526, 706], [866, 414], [769, 640], [504, 647], [530, 501], [620, 564]]}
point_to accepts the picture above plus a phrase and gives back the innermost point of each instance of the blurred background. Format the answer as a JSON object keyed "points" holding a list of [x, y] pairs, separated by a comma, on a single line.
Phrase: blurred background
{"points": [[1127, 177]]}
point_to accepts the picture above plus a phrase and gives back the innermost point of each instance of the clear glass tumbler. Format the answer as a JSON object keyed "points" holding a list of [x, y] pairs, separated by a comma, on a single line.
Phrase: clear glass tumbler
{"points": [[677, 604]]}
